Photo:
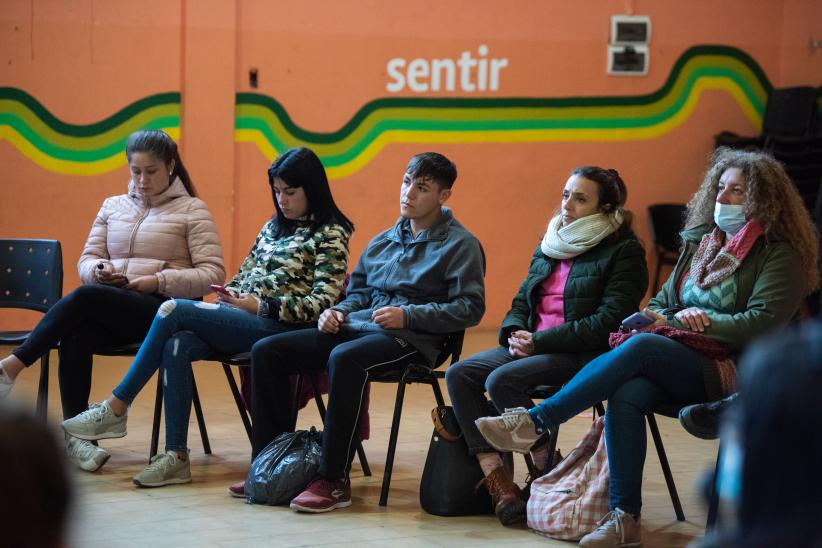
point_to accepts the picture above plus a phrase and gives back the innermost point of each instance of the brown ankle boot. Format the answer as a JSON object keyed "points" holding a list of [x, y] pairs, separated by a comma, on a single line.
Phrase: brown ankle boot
{"points": [[505, 496]]}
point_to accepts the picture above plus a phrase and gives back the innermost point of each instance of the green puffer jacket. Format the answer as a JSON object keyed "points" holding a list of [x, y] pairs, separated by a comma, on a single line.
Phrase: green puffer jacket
{"points": [[604, 286], [770, 287]]}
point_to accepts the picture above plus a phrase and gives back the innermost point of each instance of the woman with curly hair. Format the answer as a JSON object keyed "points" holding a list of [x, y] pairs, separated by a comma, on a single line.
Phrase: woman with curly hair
{"points": [[749, 256]]}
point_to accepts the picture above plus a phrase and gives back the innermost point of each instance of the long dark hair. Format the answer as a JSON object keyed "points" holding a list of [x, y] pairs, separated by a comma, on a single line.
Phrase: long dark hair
{"points": [[301, 168], [611, 191], [159, 144]]}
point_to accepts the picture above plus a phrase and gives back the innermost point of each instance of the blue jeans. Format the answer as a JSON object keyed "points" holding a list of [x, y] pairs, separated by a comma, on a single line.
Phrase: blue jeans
{"points": [[635, 377], [184, 331]]}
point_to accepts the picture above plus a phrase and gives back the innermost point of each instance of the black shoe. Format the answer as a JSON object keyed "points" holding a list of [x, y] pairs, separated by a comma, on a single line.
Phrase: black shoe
{"points": [[702, 420]]}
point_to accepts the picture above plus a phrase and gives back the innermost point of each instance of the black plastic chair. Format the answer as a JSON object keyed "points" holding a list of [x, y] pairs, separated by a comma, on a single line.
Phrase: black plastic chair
{"points": [[31, 278], [789, 113], [244, 360], [414, 373], [665, 221], [131, 349]]}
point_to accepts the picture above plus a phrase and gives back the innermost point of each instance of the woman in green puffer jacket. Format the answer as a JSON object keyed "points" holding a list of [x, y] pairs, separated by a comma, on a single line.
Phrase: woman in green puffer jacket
{"points": [[586, 275]]}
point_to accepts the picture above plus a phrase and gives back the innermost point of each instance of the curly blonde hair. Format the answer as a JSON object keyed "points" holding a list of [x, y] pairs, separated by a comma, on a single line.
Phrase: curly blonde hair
{"points": [[771, 199]]}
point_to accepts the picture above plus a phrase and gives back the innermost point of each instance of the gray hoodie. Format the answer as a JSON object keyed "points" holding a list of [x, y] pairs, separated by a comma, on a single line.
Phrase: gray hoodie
{"points": [[436, 279]]}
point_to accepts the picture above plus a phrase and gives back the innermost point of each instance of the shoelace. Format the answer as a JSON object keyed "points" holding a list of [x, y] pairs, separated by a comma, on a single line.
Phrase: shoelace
{"points": [[605, 522], [94, 413], [159, 462], [83, 450], [510, 420]]}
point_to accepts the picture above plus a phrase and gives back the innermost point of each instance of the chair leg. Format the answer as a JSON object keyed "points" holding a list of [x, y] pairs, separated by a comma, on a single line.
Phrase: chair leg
{"points": [[296, 402], [232, 384], [713, 505], [43, 389], [435, 385], [666, 468], [599, 409], [392, 442], [155, 424], [198, 411]]}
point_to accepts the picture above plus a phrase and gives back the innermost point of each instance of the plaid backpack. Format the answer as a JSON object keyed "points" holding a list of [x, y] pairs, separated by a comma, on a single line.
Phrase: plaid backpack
{"points": [[568, 501]]}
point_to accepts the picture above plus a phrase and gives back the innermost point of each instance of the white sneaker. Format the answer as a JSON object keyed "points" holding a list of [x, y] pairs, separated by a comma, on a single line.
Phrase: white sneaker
{"points": [[85, 454], [165, 469], [512, 431], [96, 423], [6, 384], [617, 529]]}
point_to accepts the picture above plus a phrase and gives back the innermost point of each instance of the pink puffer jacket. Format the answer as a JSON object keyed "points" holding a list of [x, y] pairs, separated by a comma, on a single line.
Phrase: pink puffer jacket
{"points": [[171, 235]]}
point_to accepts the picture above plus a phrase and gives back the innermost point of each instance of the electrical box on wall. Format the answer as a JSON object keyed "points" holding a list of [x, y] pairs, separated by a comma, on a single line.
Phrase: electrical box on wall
{"points": [[628, 49]]}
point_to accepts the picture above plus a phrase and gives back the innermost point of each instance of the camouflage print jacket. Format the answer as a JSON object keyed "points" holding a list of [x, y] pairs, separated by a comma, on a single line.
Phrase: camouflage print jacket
{"points": [[298, 276]]}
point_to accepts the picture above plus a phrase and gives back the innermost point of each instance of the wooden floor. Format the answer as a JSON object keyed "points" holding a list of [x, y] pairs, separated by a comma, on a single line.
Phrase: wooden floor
{"points": [[110, 511]]}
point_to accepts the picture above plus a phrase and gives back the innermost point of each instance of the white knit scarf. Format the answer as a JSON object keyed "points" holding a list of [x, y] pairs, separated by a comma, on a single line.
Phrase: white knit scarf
{"points": [[579, 236]]}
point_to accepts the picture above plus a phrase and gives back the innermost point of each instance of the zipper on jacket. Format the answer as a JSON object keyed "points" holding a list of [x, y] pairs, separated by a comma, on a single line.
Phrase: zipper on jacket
{"points": [[393, 266], [134, 235]]}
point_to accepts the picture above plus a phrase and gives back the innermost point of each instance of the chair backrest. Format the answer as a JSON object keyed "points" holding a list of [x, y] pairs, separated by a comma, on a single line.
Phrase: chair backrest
{"points": [[31, 274], [790, 112], [666, 221]]}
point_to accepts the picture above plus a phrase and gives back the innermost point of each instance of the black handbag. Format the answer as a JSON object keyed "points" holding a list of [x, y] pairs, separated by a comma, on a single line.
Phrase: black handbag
{"points": [[284, 468], [449, 480]]}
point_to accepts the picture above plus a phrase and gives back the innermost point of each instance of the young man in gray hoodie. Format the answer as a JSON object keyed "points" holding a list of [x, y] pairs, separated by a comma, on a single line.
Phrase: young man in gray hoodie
{"points": [[414, 283]]}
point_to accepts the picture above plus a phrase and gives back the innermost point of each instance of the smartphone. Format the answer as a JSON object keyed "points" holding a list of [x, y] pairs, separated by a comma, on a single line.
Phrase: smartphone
{"points": [[220, 289], [637, 320]]}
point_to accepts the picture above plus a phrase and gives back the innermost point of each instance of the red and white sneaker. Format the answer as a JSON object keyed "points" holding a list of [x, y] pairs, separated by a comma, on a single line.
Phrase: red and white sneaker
{"points": [[323, 495]]}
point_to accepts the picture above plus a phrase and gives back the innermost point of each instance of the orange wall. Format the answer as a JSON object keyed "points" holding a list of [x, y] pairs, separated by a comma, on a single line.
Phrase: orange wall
{"points": [[84, 60]]}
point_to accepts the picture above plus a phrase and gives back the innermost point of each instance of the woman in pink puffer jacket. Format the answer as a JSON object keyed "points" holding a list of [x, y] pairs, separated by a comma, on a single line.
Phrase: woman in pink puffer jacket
{"points": [[157, 241]]}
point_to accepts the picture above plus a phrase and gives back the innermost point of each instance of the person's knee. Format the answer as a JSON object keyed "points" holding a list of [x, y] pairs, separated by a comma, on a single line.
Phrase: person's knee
{"points": [[260, 353], [495, 383], [638, 341], [85, 295], [340, 356], [455, 376], [167, 308]]}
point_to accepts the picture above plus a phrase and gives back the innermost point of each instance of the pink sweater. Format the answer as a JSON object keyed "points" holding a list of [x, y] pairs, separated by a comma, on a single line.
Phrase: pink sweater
{"points": [[551, 306]]}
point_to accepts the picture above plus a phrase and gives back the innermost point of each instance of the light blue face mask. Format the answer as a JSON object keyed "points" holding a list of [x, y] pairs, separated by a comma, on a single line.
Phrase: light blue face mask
{"points": [[730, 218]]}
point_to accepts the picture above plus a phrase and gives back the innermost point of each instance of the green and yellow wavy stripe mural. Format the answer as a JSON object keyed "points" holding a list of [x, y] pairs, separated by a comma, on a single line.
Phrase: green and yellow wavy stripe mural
{"points": [[81, 149], [262, 120]]}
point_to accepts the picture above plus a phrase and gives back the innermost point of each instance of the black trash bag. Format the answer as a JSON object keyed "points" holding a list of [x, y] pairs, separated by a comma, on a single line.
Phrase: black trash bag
{"points": [[448, 486], [284, 468]]}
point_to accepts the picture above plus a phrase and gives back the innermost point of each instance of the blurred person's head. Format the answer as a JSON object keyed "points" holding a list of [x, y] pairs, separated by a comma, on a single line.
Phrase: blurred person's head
{"points": [[768, 480], [35, 492]]}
